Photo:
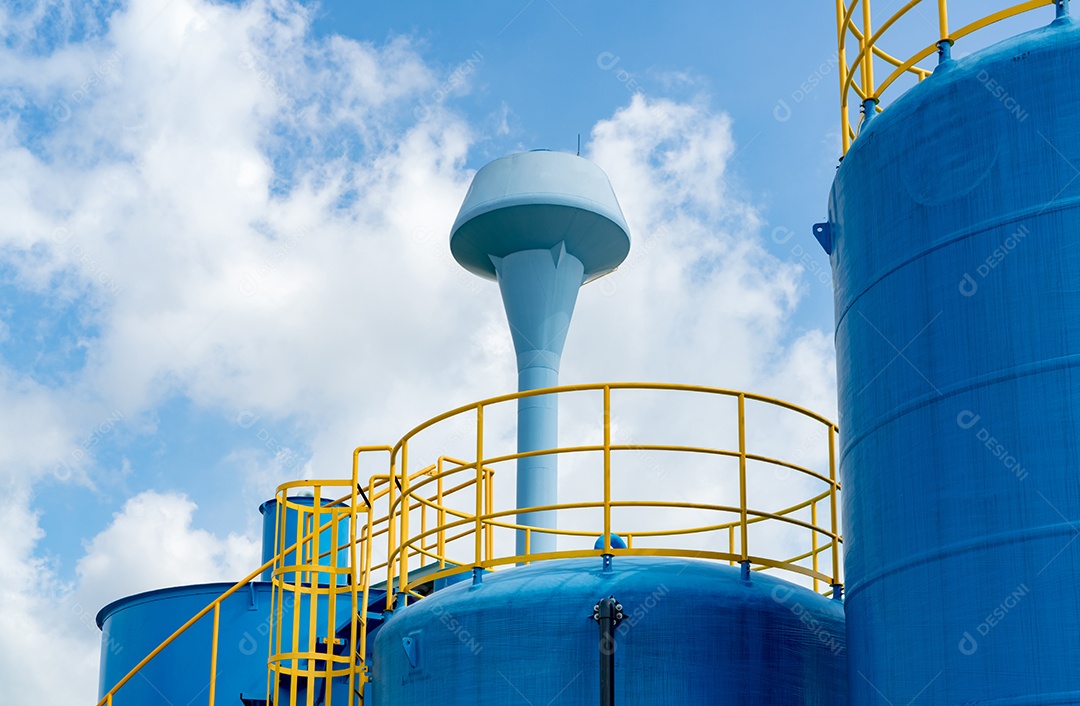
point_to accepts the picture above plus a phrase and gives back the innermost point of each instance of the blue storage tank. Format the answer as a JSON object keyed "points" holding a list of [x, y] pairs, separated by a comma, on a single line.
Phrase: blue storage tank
{"points": [[134, 626], [694, 633], [955, 219]]}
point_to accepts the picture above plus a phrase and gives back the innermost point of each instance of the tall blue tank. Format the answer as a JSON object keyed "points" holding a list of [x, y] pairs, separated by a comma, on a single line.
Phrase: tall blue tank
{"points": [[694, 634], [954, 222]]}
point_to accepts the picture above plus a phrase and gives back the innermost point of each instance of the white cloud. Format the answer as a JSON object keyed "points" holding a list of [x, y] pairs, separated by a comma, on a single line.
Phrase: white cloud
{"points": [[152, 544], [45, 621], [258, 220]]}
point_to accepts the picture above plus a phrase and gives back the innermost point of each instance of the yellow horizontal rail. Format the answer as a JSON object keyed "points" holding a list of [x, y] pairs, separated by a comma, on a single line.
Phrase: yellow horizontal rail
{"points": [[451, 499]]}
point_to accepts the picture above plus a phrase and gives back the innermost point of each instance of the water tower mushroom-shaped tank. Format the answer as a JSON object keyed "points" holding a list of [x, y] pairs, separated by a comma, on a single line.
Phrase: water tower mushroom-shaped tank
{"points": [[541, 224]]}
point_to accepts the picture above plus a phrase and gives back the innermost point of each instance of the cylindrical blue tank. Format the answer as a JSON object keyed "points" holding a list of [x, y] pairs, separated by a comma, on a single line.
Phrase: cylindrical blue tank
{"points": [[955, 220], [291, 534], [133, 627], [694, 633]]}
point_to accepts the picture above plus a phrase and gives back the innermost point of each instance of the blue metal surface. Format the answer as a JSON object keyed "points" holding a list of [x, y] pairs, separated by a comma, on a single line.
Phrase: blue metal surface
{"points": [[132, 627], [540, 223], [694, 634], [954, 219]]}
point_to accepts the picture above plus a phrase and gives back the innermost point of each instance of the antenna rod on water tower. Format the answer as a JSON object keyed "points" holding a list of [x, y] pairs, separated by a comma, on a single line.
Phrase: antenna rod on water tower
{"points": [[541, 224]]}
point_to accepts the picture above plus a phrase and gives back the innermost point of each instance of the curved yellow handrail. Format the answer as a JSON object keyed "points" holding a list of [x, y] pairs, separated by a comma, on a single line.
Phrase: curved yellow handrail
{"points": [[477, 518], [857, 76]]}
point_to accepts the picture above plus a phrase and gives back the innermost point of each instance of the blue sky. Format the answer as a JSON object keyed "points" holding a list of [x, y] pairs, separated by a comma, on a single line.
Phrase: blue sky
{"points": [[223, 257]]}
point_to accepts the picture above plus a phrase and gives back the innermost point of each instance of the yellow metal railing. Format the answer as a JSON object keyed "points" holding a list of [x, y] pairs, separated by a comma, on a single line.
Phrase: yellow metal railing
{"points": [[307, 586], [855, 23], [443, 517], [455, 538], [306, 543]]}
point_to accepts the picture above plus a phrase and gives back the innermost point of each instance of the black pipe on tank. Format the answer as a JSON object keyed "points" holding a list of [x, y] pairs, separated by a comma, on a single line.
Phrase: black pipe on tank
{"points": [[608, 613]]}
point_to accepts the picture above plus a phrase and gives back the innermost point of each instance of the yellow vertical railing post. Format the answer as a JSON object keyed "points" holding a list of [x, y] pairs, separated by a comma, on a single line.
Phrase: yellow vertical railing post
{"points": [[943, 19], [314, 560], [731, 543], [391, 534], [814, 540], [369, 550], [354, 575], [867, 54], [841, 58], [742, 475], [832, 502], [406, 500], [214, 653], [440, 535], [607, 469], [296, 595], [478, 531], [489, 508]]}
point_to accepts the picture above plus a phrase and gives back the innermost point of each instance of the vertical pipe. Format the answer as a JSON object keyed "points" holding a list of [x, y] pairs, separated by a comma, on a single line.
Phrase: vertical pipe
{"points": [[539, 289], [943, 20], [607, 613]]}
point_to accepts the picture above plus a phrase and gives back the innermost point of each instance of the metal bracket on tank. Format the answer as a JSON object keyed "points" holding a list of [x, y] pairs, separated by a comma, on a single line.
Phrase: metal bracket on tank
{"points": [[823, 233], [409, 645]]}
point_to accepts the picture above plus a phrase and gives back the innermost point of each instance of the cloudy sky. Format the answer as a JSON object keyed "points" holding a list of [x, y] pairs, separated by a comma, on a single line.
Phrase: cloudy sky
{"points": [[224, 261]]}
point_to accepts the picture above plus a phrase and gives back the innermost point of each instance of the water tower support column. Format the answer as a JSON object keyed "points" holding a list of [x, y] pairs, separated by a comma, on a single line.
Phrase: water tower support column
{"points": [[539, 289]]}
